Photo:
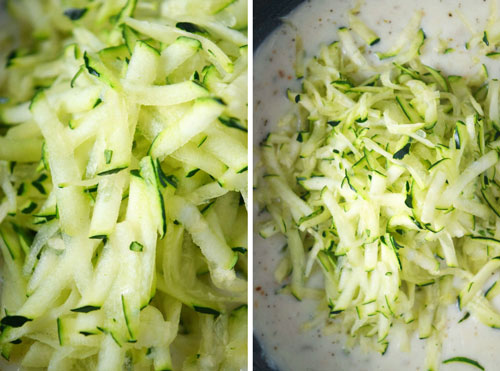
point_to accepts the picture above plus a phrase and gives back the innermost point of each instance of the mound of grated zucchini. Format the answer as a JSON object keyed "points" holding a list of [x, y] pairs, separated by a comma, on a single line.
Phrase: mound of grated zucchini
{"points": [[123, 185], [385, 180]]}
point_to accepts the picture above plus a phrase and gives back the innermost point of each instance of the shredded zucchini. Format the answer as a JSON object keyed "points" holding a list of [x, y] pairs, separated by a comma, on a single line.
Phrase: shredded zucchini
{"points": [[385, 179], [123, 185], [464, 360], [486, 41]]}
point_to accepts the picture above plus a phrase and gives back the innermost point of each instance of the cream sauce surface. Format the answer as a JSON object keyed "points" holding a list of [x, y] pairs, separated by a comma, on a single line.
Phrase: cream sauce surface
{"points": [[278, 318]]}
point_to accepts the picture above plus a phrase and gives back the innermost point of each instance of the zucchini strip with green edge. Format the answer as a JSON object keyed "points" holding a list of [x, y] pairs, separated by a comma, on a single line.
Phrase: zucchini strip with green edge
{"points": [[464, 360]]}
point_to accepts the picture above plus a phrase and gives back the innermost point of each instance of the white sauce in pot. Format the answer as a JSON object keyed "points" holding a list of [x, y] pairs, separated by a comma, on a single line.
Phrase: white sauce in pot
{"points": [[278, 318]]}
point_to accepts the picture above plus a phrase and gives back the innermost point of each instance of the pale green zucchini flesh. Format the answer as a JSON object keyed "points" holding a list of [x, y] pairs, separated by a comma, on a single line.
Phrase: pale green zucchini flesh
{"points": [[123, 185]]}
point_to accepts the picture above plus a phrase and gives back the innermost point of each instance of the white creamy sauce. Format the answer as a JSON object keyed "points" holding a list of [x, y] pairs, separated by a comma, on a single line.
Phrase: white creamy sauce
{"points": [[278, 318]]}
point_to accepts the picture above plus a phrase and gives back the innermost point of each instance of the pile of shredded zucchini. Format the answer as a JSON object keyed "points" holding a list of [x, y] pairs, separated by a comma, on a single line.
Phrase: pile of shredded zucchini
{"points": [[383, 178], [123, 185]]}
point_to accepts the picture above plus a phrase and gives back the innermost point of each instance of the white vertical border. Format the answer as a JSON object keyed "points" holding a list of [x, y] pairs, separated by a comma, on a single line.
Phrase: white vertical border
{"points": [[250, 185]]}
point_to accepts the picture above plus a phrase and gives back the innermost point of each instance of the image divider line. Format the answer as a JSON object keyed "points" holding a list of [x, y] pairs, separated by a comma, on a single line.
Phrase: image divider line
{"points": [[250, 185]]}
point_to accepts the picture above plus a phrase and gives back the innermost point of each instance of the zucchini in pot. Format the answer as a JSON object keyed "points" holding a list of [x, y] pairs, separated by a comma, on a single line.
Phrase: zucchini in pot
{"points": [[383, 178]]}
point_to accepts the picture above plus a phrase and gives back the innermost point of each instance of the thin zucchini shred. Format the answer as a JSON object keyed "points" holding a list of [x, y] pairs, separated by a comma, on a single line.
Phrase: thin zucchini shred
{"points": [[464, 360], [206, 310], [86, 309], [232, 122], [191, 27], [91, 70], [60, 331], [466, 315]]}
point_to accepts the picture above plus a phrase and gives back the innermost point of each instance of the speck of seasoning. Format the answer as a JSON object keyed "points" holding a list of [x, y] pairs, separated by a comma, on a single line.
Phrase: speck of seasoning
{"points": [[258, 288], [281, 73], [450, 15]]}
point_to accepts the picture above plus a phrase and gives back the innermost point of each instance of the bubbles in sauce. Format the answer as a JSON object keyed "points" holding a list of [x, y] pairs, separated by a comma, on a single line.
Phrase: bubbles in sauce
{"points": [[278, 318]]}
